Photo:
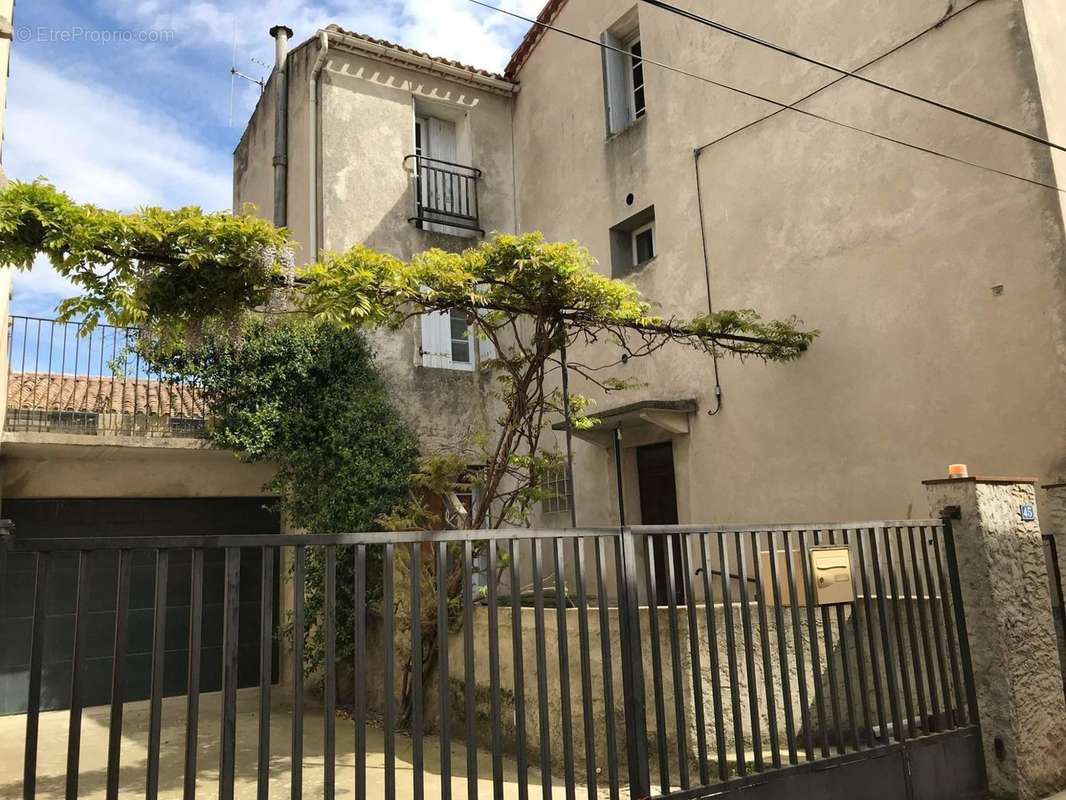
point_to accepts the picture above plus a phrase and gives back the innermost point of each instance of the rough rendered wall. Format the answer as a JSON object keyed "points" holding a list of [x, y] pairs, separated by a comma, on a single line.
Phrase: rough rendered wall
{"points": [[368, 112], [891, 253], [1016, 664]]}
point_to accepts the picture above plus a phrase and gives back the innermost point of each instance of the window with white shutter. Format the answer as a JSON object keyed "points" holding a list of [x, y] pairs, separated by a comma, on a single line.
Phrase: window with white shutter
{"points": [[448, 342], [623, 73]]}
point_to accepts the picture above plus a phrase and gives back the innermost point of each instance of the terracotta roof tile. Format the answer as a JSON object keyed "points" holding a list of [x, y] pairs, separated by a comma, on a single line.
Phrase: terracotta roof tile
{"points": [[101, 395], [399, 47], [532, 38]]}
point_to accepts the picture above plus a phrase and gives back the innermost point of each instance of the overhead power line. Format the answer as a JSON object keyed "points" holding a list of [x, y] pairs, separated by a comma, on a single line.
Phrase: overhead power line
{"points": [[718, 26], [950, 15], [783, 106]]}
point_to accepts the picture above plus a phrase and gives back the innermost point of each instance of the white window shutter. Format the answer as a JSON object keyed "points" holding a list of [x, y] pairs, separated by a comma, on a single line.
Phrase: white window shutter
{"points": [[436, 342], [616, 94]]}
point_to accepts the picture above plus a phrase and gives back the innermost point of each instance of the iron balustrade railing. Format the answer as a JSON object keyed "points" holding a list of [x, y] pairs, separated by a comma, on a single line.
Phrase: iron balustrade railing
{"points": [[744, 683], [446, 194], [64, 377]]}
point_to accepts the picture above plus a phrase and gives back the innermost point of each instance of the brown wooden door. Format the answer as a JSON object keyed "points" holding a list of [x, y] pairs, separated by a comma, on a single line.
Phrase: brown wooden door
{"points": [[658, 506]]}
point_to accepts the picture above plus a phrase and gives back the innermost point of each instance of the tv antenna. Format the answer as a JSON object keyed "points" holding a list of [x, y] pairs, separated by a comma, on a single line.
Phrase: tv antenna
{"points": [[235, 73]]}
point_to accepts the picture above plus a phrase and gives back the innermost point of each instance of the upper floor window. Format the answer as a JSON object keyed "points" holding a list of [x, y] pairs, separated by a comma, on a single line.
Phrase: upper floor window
{"points": [[636, 76], [623, 73], [449, 342], [633, 243]]}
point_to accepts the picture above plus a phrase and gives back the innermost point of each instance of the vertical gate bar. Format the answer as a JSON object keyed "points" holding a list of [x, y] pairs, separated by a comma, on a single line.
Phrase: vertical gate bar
{"points": [[468, 671], [887, 653], [33, 701], [159, 646], [860, 662], [830, 662], [842, 636], [388, 614], [749, 652], [927, 650], [656, 664], [266, 672], [675, 661], [230, 643], [932, 589], [542, 675], [118, 673], [912, 632], [694, 656], [731, 655], [875, 669], [192, 700], [606, 669], [359, 666], [764, 641], [566, 714], [329, 690], [812, 626], [633, 690], [960, 622], [76, 673], [584, 646], [494, 676], [958, 716], [443, 683], [417, 662], [299, 633], [797, 640], [716, 675], [901, 657], [518, 677], [782, 652]]}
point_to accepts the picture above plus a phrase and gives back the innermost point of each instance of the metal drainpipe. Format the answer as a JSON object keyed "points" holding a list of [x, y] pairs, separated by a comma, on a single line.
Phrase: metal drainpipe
{"points": [[312, 163], [281, 34]]}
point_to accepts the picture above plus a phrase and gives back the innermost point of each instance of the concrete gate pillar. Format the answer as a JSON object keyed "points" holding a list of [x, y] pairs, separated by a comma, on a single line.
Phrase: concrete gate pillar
{"points": [[1018, 677]]}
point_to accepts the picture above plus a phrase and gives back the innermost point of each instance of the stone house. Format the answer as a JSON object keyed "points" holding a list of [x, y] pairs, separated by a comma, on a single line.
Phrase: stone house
{"points": [[938, 286]]}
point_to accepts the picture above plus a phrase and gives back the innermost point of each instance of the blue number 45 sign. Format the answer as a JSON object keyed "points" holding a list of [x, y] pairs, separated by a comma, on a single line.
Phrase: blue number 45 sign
{"points": [[1028, 513]]}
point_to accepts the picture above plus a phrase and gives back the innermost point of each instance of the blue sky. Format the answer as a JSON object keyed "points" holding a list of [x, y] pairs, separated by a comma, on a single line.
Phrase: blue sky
{"points": [[143, 118]]}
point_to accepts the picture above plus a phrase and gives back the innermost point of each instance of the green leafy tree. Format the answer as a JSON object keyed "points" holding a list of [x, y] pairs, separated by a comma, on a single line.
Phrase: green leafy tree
{"points": [[306, 396], [532, 300]]}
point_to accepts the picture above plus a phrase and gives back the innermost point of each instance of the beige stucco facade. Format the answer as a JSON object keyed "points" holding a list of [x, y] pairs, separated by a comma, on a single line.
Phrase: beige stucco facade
{"points": [[938, 287], [368, 99], [891, 253]]}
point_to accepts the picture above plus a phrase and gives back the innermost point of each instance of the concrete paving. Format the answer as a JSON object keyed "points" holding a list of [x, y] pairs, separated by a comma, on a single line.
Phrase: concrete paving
{"points": [[52, 754]]}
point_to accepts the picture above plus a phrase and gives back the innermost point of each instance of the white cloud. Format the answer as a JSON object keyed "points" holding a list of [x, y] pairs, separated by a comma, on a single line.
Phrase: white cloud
{"points": [[101, 148], [451, 28]]}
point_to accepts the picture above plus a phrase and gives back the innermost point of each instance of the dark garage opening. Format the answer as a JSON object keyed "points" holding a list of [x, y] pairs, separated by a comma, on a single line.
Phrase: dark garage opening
{"points": [[84, 518]]}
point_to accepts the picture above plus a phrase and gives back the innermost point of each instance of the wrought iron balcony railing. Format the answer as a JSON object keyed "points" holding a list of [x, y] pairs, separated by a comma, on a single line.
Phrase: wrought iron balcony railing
{"points": [[446, 194], [62, 379]]}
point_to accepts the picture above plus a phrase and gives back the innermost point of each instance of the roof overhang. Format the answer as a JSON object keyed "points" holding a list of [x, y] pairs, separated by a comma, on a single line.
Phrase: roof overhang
{"points": [[394, 54], [643, 422]]}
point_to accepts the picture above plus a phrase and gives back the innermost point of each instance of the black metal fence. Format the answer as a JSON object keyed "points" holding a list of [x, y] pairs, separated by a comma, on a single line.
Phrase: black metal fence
{"points": [[445, 194], [530, 690], [64, 377], [1058, 604]]}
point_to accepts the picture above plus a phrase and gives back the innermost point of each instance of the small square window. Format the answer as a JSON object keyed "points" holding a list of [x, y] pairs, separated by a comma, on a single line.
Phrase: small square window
{"points": [[643, 244], [633, 243]]}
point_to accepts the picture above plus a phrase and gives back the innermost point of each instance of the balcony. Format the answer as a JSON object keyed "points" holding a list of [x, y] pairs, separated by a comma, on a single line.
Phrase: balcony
{"points": [[64, 380], [445, 195]]}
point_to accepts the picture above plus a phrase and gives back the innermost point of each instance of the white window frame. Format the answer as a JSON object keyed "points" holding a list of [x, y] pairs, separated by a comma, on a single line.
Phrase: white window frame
{"points": [[654, 244], [631, 86]]}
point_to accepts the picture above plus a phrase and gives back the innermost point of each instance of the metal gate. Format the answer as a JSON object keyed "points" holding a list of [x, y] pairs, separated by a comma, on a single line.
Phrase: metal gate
{"points": [[1058, 603], [527, 663]]}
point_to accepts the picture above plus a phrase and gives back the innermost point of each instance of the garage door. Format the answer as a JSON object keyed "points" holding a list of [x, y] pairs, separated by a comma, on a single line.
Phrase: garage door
{"points": [[127, 517]]}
